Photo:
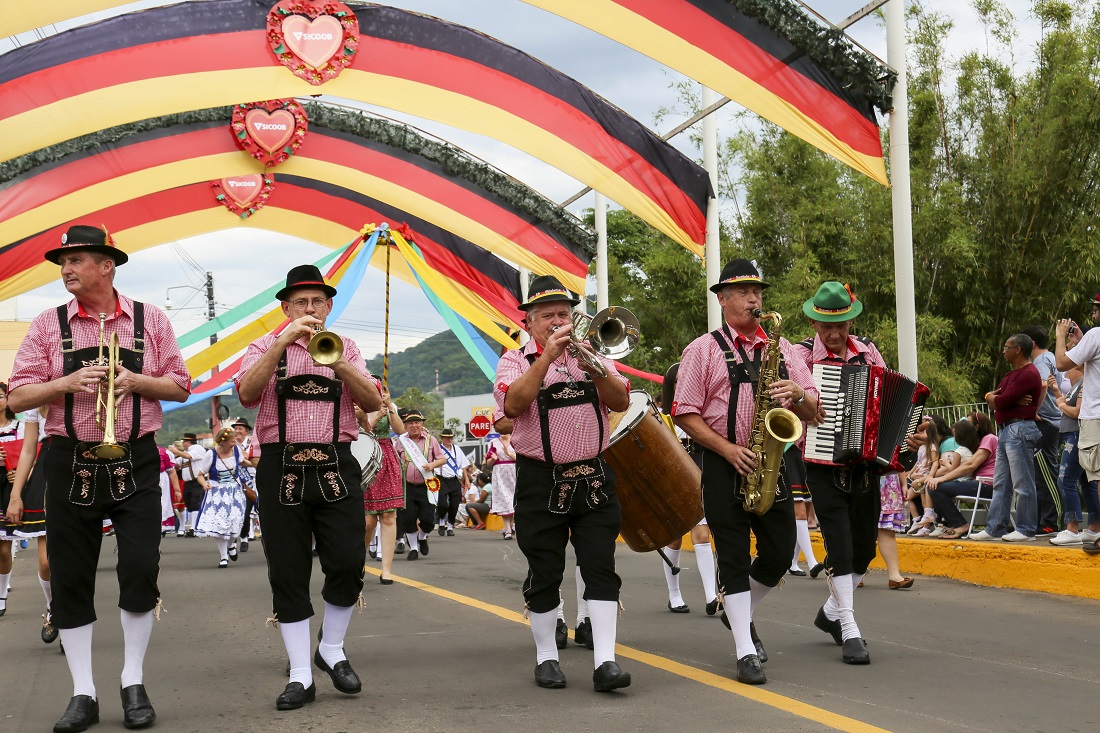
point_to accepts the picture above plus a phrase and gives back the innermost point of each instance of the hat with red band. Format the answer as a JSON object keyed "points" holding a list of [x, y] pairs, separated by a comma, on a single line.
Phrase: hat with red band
{"points": [[739, 272], [547, 289], [305, 276], [88, 239]]}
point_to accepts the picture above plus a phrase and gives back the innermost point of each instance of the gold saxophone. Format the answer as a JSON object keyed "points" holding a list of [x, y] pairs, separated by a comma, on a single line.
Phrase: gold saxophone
{"points": [[772, 427]]}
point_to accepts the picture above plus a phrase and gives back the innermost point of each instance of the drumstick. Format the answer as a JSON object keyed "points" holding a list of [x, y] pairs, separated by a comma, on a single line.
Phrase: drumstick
{"points": [[675, 568]]}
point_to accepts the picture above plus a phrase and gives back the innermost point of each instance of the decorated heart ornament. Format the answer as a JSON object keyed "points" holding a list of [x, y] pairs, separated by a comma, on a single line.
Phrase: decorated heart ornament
{"points": [[315, 39], [244, 195], [270, 131]]}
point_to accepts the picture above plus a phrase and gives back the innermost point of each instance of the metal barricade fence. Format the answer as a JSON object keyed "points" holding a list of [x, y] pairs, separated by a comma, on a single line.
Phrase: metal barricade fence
{"points": [[953, 413]]}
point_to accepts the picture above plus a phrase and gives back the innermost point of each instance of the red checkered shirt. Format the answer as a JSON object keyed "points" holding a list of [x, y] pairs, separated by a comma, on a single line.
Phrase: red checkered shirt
{"points": [[39, 360], [306, 421], [703, 382], [433, 453], [574, 434], [820, 354]]}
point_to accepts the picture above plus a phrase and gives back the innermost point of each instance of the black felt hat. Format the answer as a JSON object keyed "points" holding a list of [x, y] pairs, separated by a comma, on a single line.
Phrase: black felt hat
{"points": [[736, 272], [305, 276], [90, 239], [190, 436], [413, 415], [447, 433], [241, 421], [547, 289]]}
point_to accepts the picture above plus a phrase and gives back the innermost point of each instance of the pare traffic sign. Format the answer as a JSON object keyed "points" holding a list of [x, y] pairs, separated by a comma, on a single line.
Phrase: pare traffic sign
{"points": [[480, 425]]}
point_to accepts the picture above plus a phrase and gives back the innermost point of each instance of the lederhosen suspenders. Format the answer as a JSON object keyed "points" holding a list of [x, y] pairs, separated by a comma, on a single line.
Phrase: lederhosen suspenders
{"points": [[319, 458], [745, 371], [89, 471], [585, 476]]}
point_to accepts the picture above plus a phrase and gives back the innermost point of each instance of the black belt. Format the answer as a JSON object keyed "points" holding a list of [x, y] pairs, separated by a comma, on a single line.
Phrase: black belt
{"points": [[1013, 420]]}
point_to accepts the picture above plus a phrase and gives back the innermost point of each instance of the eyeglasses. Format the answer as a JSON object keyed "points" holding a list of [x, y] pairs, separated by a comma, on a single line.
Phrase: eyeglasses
{"points": [[1009, 346], [317, 303]]}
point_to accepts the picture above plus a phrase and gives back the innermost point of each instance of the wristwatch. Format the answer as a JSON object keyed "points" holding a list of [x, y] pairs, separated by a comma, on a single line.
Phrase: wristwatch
{"points": [[800, 400]]}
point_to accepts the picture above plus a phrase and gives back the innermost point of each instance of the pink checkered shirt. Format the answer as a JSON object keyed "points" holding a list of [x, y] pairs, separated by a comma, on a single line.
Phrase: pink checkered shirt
{"points": [[855, 347], [573, 430], [433, 453], [307, 421], [703, 382], [39, 360]]}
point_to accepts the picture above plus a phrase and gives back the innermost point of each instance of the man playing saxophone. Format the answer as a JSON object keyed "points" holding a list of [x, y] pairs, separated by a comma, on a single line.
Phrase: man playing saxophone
{"points": [[90, 476], [720, 374]]}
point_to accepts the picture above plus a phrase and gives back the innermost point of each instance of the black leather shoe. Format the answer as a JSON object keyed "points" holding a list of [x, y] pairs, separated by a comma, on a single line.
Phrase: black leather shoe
{"points": [[582, 635], [757, 643], [49, 631], [343, 676], [549, 675], [137, 711], [829, 627], [413, 554], [82, 712], [561, 634], [424, 547], [385, 581], [450, 532], [682, 608], [712, 607], [798, 572], [442, 530], [749, 671], [373, 553], [244, 545], [233, 553], [816, 569], [609, 676], [855, 652], [295, 696]]}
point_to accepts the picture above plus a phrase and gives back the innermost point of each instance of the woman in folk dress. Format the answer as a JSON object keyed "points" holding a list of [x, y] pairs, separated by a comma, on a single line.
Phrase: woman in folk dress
{"points": [[225, 482]]}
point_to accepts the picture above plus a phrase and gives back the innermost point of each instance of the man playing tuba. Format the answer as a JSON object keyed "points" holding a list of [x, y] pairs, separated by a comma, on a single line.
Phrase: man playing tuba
{"points": [[58, 364], [715, 396]]}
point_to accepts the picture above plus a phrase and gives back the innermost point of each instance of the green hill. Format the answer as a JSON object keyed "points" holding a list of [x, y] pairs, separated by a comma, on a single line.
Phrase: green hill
{"points": [[413, 367]]}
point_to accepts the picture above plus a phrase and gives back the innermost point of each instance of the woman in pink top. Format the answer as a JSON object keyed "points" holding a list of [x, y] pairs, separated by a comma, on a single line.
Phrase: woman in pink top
{"points": [[944, 489]]}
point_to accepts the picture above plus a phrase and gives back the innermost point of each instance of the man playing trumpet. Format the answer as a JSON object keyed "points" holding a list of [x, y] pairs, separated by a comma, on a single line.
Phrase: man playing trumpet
{"points": [[58, 364], [309, 481]]}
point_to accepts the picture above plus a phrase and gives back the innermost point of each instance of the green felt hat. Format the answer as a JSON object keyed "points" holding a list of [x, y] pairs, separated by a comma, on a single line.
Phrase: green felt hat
{"points": [[833, 302]]}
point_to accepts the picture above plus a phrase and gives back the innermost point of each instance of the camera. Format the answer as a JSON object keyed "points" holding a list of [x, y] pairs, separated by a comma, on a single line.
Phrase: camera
{"points": [[1072, 330]]}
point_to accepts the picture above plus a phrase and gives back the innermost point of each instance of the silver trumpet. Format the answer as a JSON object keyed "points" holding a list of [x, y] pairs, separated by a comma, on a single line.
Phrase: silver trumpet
{"points": [[612, 333]]}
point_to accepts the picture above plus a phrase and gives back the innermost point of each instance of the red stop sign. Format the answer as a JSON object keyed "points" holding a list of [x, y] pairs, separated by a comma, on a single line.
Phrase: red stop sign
{"points": [[480, 425]]}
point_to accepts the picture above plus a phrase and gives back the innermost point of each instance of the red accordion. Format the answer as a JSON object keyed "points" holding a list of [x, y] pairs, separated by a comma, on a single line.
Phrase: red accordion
{"points": [[870, 411]]}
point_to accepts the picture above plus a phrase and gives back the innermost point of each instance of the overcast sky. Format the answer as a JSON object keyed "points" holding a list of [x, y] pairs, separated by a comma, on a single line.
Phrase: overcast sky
{"points": [[245, 261]]}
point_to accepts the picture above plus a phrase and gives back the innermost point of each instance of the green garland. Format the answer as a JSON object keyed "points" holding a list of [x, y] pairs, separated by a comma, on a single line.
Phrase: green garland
{"points": [[452, 159], [827, 47]]}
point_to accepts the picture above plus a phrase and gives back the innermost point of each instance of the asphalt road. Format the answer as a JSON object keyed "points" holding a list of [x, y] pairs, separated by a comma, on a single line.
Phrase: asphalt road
{"points": [[445, 649]]}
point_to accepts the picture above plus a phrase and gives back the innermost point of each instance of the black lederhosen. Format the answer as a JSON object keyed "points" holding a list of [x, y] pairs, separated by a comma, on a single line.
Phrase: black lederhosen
{"points": [[192, 495], [560, 503], [418, 508], [85, 490], [312, 492], [723, 499], [847, 502], [450, 496]]}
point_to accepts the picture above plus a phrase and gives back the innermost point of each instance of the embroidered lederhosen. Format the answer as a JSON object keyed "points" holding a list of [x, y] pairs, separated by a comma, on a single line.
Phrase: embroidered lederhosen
{"points": [[858, 476], [585, 477], [304, 460], [745, 371], [89, 472]]}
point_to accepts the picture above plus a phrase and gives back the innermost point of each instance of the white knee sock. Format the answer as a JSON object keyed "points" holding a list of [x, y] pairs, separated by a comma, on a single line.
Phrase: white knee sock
{"points": [[704, 558], [4, 578], [47, 590], [136, 630], [843, 598], [543, 626], [605, 619], [738, 608], [757, 591], [411, 541], [421, 535], [508, 526], [561, 607], [78, 655], [335, 628], [582, 605], [296, 641], [223, 547], [802, 529], [672, 581]]}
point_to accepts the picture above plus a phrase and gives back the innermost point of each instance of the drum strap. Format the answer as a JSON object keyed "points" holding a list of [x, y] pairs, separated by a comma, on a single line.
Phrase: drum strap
{"points": [[566, 394]]}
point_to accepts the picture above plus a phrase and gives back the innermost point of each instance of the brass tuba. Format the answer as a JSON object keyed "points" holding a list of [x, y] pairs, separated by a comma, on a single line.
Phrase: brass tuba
{"points": [[106, 408], [325, 347], [613, 333], [772, 427]]}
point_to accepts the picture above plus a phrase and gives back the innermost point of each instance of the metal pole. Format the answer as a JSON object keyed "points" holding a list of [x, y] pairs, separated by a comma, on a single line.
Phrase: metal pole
{"points": [[712, 252], [601, 251], [211, 314], [384, 240], [901, 196], [524, 291]]}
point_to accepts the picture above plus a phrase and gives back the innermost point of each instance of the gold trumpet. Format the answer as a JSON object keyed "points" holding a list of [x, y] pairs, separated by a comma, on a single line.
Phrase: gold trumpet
{"points": [[325, 347], [106, 407], [612, 333]]}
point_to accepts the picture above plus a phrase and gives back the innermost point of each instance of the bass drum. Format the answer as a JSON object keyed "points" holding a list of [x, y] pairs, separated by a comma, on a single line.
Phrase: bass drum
{"points": [[369, 454], [659, 486]]}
